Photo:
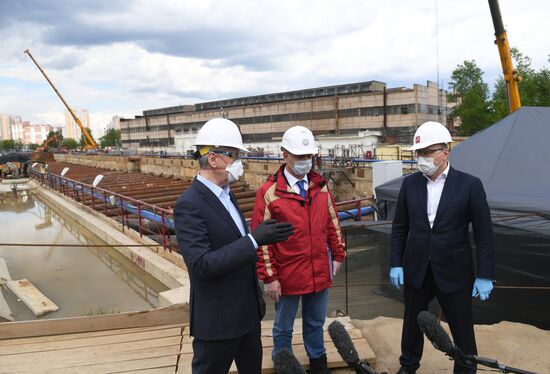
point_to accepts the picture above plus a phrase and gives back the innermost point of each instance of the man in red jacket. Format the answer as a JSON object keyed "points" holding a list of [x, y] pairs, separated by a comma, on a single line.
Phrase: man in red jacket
{"points": [[302, 267]]}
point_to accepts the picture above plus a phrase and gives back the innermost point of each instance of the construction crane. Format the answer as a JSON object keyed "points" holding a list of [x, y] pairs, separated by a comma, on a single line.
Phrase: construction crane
{"points": [[511, 76], [90, 143]]}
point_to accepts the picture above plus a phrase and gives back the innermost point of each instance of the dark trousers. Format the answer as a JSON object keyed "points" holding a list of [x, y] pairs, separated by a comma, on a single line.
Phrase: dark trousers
{"points": [[457, 308], [216, 356]]}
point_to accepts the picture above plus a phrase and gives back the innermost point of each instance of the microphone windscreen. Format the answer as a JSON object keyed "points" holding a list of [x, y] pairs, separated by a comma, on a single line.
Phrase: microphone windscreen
{"points": [[344, 345], [286, 363], [431, 327]]}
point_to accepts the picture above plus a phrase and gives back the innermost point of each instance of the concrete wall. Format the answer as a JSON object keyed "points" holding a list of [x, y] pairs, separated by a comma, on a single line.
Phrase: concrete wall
{"points": [[167, 267]]}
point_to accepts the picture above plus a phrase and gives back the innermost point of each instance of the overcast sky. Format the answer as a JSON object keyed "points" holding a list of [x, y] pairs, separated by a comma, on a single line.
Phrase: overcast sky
{"points": [[117, 57]]}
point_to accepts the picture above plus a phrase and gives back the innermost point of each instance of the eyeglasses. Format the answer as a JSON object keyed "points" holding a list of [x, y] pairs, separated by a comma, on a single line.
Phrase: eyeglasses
{"points": [[424, 152], [230, 154]]}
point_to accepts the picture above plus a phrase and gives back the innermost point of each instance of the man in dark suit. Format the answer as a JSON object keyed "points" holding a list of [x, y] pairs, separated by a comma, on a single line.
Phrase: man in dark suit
{"points": [[430, 245], [225, 303]]}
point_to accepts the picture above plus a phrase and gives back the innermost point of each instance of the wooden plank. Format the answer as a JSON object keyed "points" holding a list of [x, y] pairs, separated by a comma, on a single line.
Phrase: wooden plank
{"points": [[164, 370], [89, 342], [346, 321], [100, 352], [164, 362], [184, 364], [267, 326], [4, 272], [6, 315], [267, 341], [173, 314], [83, 335], [333, 357], [37, 302], [88, 356]]}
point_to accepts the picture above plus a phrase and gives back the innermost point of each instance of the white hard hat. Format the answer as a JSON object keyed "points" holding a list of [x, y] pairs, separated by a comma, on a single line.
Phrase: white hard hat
{"points": [[430, 133], [220, 132], [298, 140]]}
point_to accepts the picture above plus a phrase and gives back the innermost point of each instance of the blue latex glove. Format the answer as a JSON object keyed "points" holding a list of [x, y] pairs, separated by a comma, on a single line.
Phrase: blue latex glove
{"points": [[396, 276], [483, 288]]}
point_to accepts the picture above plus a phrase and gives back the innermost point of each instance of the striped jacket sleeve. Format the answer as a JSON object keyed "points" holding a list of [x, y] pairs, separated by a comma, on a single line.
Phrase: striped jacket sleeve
{"points": [[266, 265], [335, 236]]}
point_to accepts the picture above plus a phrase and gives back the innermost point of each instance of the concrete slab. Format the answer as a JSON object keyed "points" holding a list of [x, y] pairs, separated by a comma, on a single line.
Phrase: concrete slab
{"points": [[32, 297], [174, 296]]}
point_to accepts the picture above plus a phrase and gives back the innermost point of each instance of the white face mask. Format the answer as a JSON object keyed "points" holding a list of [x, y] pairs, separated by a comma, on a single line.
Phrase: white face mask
{"points": [[427, 166], [302, 167], [234, 171]]}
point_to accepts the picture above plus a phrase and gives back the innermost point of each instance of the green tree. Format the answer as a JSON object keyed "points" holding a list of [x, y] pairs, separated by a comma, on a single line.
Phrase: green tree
{"points": [[534, 87], [8, 145], [83, 140], [69, 143], [471, 96], [110, 139], [54, 143], [32, 146]]}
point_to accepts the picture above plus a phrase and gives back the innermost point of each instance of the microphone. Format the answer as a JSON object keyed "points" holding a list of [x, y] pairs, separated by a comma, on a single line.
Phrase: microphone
{"points": [[346, 349], [441, 341], [286, 363], [439, 338]]}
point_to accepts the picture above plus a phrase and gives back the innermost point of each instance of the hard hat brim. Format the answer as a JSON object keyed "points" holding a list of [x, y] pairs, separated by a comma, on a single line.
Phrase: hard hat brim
{"points": [[418, 146], [301, 151]]}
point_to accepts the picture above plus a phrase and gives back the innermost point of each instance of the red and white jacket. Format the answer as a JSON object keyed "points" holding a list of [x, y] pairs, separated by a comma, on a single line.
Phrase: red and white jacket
{"points": [[301, 263]]}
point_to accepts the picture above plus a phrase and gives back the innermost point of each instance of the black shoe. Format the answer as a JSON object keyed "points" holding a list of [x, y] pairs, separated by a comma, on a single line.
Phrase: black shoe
{"points": [[319, 365], [404, 370]]}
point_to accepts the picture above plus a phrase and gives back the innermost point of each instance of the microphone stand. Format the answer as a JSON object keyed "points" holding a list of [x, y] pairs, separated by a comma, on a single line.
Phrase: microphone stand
{"points": [[472, 360], [489, 362]]}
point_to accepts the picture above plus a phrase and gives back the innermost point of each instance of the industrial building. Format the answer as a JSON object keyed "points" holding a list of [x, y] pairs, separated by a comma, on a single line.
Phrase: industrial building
{"points": [[341, 110]]}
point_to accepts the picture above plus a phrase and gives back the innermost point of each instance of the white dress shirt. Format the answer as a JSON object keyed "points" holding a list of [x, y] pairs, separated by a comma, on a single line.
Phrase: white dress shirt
{"points": [[223, 195], [435, 189], [293, 181]]}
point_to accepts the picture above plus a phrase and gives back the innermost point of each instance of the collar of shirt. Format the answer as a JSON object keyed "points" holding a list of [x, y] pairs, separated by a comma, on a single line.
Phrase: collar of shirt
{"points": [[216, 190], [441, 176], [222, 193], [292, 180]]}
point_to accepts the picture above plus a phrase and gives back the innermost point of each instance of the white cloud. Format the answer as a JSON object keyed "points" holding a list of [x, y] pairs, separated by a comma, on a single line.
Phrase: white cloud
{"points": [[125, 57]]}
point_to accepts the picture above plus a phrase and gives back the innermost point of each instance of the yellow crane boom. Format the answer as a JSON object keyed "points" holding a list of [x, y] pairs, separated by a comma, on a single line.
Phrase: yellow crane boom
{"points": [[511, 76], [90, 143]]}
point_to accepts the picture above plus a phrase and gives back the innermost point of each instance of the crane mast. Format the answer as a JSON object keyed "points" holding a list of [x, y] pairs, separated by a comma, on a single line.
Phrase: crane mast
{"points": [[511, 76], [90, 143]]}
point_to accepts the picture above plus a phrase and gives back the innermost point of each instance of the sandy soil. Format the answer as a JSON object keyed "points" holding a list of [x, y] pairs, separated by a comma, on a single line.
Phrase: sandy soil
{"points": [[512, 344]]}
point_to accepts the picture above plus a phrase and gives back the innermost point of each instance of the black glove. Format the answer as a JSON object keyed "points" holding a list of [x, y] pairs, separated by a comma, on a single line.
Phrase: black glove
{"points": [[270, 232]]}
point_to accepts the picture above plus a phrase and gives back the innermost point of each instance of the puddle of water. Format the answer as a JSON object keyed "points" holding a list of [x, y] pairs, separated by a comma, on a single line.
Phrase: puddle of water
{"points": [[79, 280]]}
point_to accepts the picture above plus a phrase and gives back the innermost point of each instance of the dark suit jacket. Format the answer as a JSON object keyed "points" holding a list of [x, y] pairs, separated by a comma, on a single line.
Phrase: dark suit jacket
{"points": [[225, 300], [446, 246]]}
